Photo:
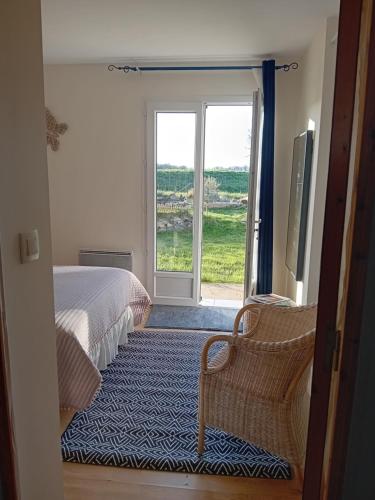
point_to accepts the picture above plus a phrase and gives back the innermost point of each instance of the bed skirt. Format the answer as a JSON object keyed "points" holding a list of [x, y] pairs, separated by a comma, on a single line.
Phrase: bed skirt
{"points": [[79, 375], [104, 351]]}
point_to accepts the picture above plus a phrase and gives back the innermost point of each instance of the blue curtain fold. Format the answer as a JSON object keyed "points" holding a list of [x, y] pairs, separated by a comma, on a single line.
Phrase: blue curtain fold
{"points": [[265, 244]]}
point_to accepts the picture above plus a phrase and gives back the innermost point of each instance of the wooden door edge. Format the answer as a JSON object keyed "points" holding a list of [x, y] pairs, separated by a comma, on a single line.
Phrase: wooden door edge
{"points": [[333, 233], [363, 215]]}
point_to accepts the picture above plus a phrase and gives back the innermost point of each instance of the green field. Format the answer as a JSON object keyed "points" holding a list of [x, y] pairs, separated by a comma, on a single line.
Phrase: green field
{"points": [[224, 229], [223, 255]]}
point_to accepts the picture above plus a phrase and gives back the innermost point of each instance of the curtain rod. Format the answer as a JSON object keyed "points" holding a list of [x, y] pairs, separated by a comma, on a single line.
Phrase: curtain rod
{"points": [[128, 69]]}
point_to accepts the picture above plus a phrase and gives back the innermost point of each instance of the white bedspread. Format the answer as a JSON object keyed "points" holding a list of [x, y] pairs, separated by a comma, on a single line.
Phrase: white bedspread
{"points": [[95, 308]]}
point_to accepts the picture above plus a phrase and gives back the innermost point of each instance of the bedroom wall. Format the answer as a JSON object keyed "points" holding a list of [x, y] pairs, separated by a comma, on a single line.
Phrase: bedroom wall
{"points": [[288, 91], [97, 186], [315, 113], [28, 293]]}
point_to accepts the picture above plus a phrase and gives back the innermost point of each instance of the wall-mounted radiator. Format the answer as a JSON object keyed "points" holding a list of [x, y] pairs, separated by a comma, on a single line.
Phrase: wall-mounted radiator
{"points": [[101, 258]]}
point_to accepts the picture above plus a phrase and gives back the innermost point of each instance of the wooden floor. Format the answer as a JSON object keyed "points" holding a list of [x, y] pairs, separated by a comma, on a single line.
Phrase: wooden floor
{"points": [[96, 482]]}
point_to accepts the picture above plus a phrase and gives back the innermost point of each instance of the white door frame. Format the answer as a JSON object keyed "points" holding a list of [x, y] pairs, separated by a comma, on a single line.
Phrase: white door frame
{"points": [[253, 197], [197, 106]]}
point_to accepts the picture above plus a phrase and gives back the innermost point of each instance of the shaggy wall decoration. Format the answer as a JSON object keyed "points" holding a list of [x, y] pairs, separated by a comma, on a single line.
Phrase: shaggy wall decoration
{"points": [[54, 130]]}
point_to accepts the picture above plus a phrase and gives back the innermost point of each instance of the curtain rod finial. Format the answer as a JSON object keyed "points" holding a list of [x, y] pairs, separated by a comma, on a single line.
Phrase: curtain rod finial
{"points": [[125, 69], [287, 67]]}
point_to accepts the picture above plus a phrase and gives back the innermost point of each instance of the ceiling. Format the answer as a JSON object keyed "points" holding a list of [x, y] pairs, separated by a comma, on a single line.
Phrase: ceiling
{"points": [[95, 31]]}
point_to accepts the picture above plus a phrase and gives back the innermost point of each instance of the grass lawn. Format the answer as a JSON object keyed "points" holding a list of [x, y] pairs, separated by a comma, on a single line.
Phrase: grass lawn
{"points": [[223, 253]]}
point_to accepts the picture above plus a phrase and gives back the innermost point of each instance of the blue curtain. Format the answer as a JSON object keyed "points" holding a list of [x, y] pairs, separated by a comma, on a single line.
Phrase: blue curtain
{"points": [[265, 247]]}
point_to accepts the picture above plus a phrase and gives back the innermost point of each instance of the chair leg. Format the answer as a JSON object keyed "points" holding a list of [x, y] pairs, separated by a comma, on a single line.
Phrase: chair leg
{"points": [[201, 425], [201, 432]]}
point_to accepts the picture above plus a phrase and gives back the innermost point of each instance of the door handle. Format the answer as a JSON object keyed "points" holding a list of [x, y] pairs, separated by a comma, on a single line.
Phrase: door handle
{"points": [[258, 221]]}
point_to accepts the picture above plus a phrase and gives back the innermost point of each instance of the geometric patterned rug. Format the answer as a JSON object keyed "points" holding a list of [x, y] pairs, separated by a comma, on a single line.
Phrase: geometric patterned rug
{"points": [[145, 415]]}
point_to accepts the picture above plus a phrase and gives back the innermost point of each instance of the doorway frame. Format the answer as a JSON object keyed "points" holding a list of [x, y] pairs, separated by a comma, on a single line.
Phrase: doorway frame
{"points": [[363, 212], [345, 5], [8, 468], [327, 341], [199, 105]]}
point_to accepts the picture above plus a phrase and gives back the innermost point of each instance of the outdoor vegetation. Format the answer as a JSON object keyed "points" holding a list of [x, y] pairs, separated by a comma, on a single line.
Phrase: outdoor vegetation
{"points": [[224, 222]]}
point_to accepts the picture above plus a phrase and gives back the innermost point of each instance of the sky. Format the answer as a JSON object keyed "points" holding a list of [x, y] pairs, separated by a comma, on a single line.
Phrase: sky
{"points": [[227, 138]]}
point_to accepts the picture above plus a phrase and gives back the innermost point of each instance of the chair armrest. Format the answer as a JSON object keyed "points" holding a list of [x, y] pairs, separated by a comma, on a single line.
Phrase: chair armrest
{"points": [[204, 356], [249, 307]]}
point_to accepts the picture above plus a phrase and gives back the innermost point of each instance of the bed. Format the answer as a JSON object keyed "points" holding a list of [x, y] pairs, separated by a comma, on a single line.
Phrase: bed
{"points": [[95, 309]]}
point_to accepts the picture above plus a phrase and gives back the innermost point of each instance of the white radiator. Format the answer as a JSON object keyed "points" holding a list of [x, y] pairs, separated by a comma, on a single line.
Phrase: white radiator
{"points": [[102, 258]]}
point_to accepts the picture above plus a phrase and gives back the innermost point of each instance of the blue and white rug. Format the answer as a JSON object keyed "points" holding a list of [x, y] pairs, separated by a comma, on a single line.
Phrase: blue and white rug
{"points": [[210, 318], [145, 416]]}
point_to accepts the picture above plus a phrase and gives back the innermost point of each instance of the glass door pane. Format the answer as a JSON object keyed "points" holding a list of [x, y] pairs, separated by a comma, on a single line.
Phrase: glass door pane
{"points": [[175, 161], [225, 202]]}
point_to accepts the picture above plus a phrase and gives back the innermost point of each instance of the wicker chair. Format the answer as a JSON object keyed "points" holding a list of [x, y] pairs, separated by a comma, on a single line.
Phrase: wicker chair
{"points": [[256, 386]]}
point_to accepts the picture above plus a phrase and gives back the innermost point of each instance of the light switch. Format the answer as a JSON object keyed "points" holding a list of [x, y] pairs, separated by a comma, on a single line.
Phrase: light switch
{"points": [[29, 246]]}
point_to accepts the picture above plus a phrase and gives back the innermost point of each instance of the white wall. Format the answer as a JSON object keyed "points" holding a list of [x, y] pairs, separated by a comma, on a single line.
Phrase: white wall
{"points": [[288, 87], [315, 112], [28, 291], [97, 186]]}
